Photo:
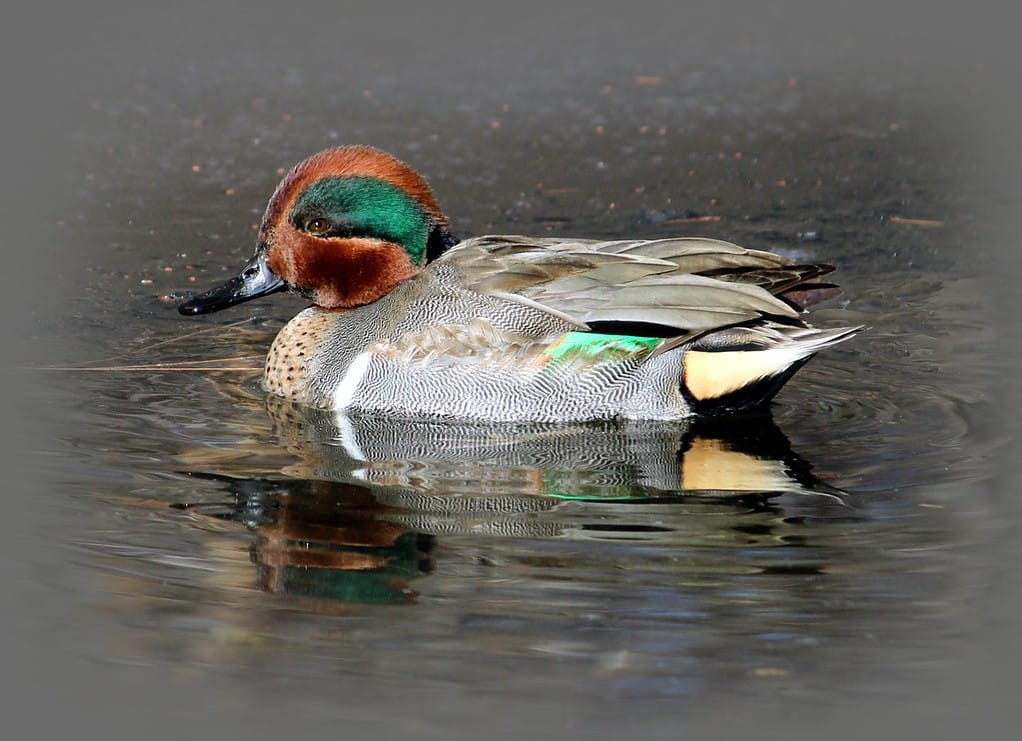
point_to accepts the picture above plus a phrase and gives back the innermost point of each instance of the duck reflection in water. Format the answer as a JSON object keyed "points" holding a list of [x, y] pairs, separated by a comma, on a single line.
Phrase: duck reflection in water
{"points": [[357, 517]]}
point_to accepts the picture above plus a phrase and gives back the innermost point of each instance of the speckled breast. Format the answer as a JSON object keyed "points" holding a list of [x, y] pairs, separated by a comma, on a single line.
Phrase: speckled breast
{"points": [[288, 372]]}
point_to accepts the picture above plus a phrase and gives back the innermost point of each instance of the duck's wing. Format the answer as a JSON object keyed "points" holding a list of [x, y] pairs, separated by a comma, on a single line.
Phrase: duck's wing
{"points": [[715, 258], [683, 286]]}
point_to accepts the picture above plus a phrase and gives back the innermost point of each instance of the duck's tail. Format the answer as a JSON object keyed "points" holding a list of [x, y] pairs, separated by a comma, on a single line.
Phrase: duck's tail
{"points": [[743, 367]]}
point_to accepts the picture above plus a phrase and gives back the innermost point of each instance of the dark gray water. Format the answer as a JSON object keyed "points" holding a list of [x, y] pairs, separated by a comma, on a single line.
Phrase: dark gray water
{"points": [[214, 554]]}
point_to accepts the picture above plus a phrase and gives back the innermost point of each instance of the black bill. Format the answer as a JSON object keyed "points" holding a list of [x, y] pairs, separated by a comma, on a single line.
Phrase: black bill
{"points": [[255, 280]]}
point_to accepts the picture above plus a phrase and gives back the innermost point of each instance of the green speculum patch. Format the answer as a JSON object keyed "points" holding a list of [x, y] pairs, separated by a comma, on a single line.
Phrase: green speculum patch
{"points": [[591, 346], [366, 207]]}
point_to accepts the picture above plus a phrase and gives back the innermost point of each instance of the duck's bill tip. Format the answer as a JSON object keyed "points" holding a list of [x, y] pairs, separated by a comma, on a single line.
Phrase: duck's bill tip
{"points": [[198, 305], [188, 308]]}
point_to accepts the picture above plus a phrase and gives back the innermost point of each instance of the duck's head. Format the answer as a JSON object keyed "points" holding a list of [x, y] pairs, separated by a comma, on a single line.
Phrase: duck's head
{"points": [[343, 228]]}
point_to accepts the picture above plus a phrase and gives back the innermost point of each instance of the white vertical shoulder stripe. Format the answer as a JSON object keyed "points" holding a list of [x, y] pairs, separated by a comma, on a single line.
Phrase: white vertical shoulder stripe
{"points": [[346, 389]]}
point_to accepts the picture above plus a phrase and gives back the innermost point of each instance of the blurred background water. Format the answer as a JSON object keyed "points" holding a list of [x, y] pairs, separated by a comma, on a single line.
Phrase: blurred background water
{"points": [[197, 557]]}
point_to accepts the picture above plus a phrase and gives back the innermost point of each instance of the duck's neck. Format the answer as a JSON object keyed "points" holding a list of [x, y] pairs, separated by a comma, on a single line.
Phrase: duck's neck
{"points": [[440, 240]]}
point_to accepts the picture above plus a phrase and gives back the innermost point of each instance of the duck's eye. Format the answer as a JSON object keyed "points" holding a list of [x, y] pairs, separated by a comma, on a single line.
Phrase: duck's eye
{"points": [[317, 226]]}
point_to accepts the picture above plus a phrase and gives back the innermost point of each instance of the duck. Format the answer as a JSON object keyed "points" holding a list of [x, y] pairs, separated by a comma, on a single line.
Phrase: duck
{"points": [[405, 320]]}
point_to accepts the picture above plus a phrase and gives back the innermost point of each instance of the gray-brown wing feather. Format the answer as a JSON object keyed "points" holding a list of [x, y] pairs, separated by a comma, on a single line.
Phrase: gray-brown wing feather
{"points": [[654, 281]]}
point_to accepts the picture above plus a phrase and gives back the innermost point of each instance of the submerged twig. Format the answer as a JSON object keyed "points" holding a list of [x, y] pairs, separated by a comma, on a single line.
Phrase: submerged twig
{"points": [[915, 222], [207, 365], [170, 340], [180, 365]]}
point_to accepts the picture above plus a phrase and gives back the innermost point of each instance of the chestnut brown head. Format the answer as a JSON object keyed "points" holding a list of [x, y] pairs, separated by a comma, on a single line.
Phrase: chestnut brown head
{"points": [[344, 227]]}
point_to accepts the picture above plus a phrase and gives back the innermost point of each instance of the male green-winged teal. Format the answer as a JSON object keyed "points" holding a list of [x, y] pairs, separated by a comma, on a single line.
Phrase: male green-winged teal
{"points": [[406, 321]]}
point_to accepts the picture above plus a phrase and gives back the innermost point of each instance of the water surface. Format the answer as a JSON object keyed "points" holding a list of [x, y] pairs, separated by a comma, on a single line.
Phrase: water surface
{"points": [[409, 576]]}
